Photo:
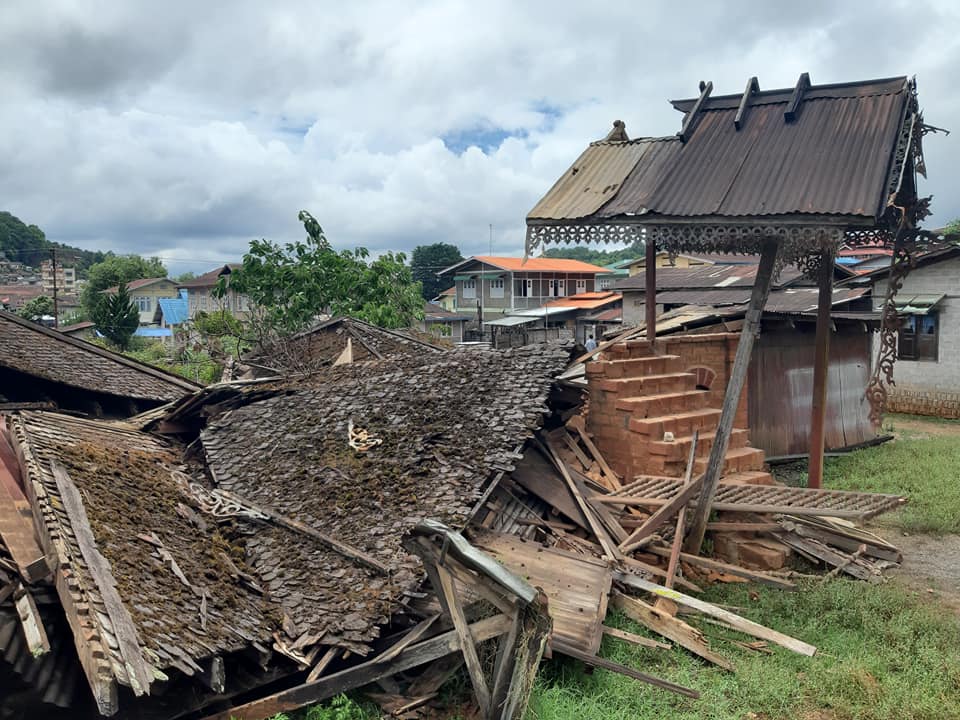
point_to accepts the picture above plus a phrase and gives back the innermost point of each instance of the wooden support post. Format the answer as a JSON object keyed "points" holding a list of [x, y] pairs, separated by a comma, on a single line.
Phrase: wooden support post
{"points": [[731, 400], [519, 658], [821, 366], [650, 294], [681, 516]]}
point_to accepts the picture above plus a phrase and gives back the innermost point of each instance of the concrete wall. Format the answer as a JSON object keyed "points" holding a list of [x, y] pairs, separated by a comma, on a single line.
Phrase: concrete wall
{"points": [[926, 387]]}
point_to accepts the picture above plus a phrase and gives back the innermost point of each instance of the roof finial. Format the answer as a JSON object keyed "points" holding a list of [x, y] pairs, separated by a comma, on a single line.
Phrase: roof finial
{"points": [[619, 132]]}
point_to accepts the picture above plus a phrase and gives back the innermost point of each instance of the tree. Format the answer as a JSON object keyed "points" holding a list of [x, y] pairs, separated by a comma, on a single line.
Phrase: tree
{"points": [[116, 270], [38, 307], [427, 261], [117, 318], [953, 230], [185, 277], [596, 257], [291, 285]]}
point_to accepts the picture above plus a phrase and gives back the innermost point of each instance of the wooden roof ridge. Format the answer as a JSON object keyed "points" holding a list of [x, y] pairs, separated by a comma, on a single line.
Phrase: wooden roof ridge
{"points": [[163, 375]]}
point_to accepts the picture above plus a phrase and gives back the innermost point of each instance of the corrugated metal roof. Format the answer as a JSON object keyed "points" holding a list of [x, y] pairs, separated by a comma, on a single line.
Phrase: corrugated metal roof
{"points": [[705, 276], [591, 181], [175, 310], [834, 159], [791, 300]]}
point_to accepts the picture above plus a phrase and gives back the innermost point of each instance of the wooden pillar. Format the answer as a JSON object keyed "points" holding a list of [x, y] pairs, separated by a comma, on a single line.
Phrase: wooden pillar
{"points": [[821, 366], [650, 294], [731, 400]]}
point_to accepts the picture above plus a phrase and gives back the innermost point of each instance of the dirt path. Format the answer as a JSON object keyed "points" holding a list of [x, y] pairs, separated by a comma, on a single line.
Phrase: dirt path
{"points": [[931, 564], [918, 427]]}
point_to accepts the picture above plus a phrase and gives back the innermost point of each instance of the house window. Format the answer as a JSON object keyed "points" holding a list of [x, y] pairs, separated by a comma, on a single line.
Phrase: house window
{"points": [[581, 286], [919, 337], [496, 288], [143, 303], [469, 288], [604, 283], [524, 287], [557, 288]]}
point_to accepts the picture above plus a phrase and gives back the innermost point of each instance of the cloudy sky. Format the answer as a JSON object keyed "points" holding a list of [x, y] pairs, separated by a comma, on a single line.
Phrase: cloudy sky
{"points": [[184, 129]]}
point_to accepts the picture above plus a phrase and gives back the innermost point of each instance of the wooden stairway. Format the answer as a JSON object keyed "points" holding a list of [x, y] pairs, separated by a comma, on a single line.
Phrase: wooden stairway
{"points": [[644, 409]]}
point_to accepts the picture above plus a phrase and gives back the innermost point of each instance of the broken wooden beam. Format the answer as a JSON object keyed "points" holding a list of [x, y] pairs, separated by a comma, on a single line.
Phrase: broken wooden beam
{"points": [[672, 628], [740, 623], [594, 661], [634, 639], [33, 631], [352, 678]]}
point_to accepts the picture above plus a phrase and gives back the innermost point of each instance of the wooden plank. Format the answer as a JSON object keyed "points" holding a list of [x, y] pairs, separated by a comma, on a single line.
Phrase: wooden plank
{"points": [[634, 638], [575, 585], [712, 564], [609, 549], [670, 627], [740, 623], [538, 477], [599, 662], [753, 86], [323, 663], [467, 641], [660, 572], [519, 658], [575, 449], [855, 568], [681, 518], [30, 622], [610, 521], [796, 97], [415, 633], [139, 673], [362, 674], [734, 507], [293, 524], [731, 398], [593, 450], [821, 365], [664, 513], [17, 532]]}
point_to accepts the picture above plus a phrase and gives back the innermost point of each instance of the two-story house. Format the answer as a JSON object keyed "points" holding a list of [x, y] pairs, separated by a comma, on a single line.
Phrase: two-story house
{"points": [[200, 296], [145, 293], [491, 286]]}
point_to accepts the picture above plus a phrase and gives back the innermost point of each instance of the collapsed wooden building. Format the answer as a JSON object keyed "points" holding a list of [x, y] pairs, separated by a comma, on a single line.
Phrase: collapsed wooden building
{"points": [[390, 516]]}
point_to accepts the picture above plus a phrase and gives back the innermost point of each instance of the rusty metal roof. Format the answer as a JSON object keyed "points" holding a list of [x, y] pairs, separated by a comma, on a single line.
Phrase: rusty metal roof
{"points": [[592, 180], [789, 300], [834, 158]]}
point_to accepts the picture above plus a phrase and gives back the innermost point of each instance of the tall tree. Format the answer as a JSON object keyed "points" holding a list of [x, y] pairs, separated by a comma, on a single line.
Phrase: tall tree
{"points": [[38, 307], [117, 318], [116, 270], [427, 261], [292, 284]]}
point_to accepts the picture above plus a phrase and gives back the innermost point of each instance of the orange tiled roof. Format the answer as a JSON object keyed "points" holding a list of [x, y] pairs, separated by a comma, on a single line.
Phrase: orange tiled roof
{"points": [[541, 264], [585, 301]]}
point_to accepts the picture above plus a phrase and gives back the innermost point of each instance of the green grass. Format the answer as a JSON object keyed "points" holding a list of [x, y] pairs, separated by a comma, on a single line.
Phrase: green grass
{"points": [[924, 468], [884, 654]]}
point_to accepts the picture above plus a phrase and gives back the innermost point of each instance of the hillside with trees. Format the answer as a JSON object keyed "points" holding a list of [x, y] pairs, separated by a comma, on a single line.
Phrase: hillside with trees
{"points": [[28, 244]]}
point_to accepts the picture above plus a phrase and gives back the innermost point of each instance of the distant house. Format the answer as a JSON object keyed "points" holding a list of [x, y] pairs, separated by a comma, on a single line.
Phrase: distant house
{"points": [[443, 323], [495, 286], [81, 330], [927, 369], [664, 260], [145, 293], [447, 299], [172, 312], [200, 294]]}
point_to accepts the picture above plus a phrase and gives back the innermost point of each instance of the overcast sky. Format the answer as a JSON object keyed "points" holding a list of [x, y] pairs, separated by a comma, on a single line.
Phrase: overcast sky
{"points": [[184, 129]]}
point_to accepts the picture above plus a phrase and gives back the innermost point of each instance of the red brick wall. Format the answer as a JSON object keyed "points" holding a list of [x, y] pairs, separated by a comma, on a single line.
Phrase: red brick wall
{"points": [[714, 351]]}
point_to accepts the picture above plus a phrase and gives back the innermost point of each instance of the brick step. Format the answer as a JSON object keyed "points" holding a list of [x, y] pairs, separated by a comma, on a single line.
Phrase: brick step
{"points": [[629, 350], [647, 384], [748, 477], [737, 460], [646, 406], [679, 448], [653, 365], [680, 424]]}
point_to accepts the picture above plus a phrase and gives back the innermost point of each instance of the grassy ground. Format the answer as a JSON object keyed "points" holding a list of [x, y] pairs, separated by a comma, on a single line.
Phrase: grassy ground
{"points": [[886, 652]]}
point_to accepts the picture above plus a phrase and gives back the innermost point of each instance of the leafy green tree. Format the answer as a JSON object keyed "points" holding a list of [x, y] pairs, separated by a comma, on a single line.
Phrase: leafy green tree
{"points": [[427, 261], [37, 308], [116, 270], [953, 230], [117, 318], [596, 257], [185, 277], [290, 285], [28, 244]]}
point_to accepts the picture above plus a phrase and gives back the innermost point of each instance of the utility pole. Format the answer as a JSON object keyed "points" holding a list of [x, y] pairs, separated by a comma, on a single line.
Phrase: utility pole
{"points": [[56, 304]]}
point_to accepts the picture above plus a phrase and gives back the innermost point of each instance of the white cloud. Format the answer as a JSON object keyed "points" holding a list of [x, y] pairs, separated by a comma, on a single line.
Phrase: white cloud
{"points": [[190, 129]]}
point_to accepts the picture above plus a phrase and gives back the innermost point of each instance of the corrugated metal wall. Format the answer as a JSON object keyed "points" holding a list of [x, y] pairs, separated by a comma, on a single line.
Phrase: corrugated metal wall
{"points": [[781, 388]]}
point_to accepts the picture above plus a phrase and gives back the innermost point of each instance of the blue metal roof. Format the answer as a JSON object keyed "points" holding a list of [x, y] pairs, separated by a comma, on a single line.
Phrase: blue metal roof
{"points": [[153, 332], [175, 310]]}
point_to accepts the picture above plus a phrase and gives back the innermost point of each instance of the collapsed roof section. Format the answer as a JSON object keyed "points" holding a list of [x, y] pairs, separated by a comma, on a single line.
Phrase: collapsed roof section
{"points": [[364, 454], [149, 588], [325, 343], [55, 363]]}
